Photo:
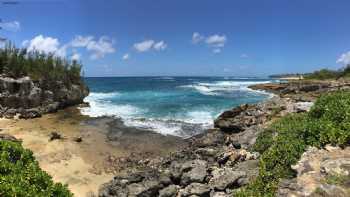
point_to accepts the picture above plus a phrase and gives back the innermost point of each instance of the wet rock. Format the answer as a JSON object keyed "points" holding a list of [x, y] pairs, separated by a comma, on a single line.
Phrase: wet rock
{"points": [[223, 178]]}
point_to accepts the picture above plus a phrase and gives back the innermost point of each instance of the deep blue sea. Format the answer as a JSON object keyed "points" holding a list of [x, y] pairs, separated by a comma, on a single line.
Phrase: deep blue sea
{"points": [[181, 106]]}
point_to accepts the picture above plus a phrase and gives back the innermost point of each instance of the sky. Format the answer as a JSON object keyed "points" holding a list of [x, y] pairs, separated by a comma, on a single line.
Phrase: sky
{"points": [[184, 37]]}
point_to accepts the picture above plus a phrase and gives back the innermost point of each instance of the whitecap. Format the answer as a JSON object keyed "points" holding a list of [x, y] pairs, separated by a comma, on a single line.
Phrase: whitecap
{"points": [[219, 87], [100, 105]]}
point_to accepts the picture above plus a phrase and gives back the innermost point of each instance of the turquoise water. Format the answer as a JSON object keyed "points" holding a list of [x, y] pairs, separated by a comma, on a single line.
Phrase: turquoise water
{"points": [[181, 106]]}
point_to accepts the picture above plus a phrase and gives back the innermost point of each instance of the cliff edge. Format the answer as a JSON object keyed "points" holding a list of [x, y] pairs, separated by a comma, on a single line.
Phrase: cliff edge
{"points": [[29, 99]]}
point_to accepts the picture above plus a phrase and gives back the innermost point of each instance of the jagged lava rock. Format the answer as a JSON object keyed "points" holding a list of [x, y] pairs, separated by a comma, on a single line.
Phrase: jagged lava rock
{"points": [[31, 98]]}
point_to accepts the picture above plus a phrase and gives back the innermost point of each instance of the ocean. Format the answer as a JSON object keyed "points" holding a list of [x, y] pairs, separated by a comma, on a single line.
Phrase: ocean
{"points": [[180, 106]]}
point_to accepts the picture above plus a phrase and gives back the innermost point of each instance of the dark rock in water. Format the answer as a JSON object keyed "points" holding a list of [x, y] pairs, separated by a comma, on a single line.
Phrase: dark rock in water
{"points": [[55, 136], [7, 137], [31, 98]]}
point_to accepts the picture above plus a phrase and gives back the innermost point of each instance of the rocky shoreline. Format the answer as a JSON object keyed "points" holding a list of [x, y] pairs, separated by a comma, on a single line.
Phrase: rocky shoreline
{"points": [[220, 160], [30, 99]]}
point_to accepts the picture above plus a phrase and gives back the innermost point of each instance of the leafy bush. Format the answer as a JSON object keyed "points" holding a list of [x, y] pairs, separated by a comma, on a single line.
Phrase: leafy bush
{"points": [[328, 122], [20, 174], [17, 63], [329, 74]]}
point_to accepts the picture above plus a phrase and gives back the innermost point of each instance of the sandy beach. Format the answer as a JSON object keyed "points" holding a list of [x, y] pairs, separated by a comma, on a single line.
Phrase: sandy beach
{"points": [[85, 165]]}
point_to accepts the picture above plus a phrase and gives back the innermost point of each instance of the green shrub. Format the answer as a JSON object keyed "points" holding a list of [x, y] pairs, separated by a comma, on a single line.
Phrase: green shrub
{"points": [[328, 122], [42, 67], [325, 74], [263, 141], [20, 174]]}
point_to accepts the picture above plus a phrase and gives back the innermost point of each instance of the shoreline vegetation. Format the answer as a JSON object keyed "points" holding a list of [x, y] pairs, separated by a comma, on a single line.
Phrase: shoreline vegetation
{"points": [[264, 149]]}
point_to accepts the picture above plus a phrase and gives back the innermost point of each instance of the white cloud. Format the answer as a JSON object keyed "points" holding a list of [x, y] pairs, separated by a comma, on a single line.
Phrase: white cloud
{"points": [[160, 46], [144, 46], [13, 26], [344, 58], [75, 56], [126, 56], [196, 38], [244, 55], [217, 50], [216, 40], [42, 44], [148, 45], [81, 41], [98, 48], [101, 47]]}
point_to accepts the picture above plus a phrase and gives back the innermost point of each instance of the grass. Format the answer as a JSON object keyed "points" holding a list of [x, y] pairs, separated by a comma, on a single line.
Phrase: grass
{"points": [[282, 144]]}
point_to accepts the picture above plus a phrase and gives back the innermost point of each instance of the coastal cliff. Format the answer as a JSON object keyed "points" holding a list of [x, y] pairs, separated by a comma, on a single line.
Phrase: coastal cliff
{"points": [[33, 83], [31, 99]]}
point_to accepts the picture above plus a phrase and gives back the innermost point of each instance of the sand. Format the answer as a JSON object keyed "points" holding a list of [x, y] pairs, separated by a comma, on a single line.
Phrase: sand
{"points": [[81, 165]]}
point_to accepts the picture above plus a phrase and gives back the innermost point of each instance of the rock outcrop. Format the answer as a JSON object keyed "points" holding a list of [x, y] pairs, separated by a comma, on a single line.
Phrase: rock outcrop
{"points": [[219, 161], [302, 90], [31, 99], [320, 172], [214, 163]]}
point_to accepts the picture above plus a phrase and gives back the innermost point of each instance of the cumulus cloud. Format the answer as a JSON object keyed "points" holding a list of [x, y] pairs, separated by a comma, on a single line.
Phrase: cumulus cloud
{"points": [[126, 56], [344, 58], [98, 48], [160, 46], [13, 26], [42, 44], [215, 41], [101, 47], [148, 45], [144, 46], [196, 38], [81, 41]]}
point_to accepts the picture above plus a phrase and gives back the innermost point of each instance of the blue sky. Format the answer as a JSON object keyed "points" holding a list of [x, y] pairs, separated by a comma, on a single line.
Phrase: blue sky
{"points": [[185, 37]]}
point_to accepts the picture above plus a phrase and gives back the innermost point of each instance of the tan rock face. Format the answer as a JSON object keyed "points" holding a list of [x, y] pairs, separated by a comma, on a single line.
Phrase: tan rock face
{"points": [[313, 172]]}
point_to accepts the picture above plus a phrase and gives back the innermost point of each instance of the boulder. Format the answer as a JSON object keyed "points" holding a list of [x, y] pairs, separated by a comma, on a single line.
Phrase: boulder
{"points": [[197, 189], [170, 191], [193, 171], [223, 178]]}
